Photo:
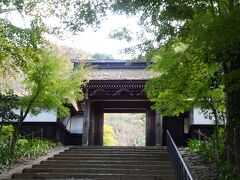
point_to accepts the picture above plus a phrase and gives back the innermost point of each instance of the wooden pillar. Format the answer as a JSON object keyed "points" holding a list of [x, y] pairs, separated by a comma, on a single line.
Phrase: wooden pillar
{"points": [[159, 129], [99, 118], [101, 127], [92, 122], [86, 119], [150, 128]]}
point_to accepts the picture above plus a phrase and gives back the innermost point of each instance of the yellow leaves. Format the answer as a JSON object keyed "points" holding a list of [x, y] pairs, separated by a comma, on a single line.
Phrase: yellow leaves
{"points": [[108, 138]]}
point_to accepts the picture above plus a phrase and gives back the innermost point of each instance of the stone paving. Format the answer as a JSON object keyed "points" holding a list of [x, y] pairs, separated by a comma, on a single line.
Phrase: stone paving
{"points": [[199, 168]]}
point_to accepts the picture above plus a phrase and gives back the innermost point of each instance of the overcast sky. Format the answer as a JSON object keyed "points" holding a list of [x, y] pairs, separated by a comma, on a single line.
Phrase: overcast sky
{"points": [[99, 41], [93, 41]]}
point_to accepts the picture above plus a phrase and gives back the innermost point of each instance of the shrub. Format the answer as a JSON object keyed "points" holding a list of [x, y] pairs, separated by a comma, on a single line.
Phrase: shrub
{"points": [[25, 148], [206, 150], [214, 153], [6, 155], [22, 142], [5, 134]]}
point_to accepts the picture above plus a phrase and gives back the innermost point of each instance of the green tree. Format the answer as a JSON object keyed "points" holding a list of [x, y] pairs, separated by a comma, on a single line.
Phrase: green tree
{"points": [[185, 82], [48, 80], [50, 84]]}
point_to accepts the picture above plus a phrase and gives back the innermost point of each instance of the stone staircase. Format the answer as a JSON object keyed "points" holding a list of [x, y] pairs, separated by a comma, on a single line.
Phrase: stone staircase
{"points": [[104, 163]]}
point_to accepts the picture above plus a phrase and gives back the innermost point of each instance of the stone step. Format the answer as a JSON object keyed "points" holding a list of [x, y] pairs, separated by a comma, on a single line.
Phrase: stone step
{"points": [[112, 166], [108, 158], [112, 155], [120, 150], [91, 176], [84, 153], [99, 171], [136, 162], [115, 152], [120, 147], [117, 149], [149, 148]]}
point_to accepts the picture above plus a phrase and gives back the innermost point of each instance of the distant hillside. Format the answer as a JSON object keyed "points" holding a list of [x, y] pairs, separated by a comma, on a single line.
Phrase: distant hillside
{"points": [[74, 53], [78, 54], [129, 129]]}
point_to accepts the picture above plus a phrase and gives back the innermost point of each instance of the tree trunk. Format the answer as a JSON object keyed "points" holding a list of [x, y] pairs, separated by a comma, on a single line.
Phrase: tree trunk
{"points": [[14, 138], [216, 143], [16, 129], [237, 147], [216, 134], [232, 110]]}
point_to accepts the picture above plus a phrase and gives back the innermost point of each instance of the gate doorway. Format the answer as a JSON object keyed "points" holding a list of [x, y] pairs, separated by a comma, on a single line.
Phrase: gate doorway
{"points": [[95, 118], [124, 129]]}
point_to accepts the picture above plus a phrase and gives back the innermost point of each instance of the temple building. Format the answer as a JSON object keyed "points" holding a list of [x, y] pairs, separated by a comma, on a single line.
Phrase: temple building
{"points": [[115, 87]]}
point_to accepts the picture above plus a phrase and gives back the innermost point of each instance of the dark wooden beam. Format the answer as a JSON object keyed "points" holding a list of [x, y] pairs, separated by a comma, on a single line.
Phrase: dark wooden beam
{"points": [[126, 104], [125, 110], [115, 82], [92, 124], [150, 128], [99, 124], [86, 119], [159, 129]]}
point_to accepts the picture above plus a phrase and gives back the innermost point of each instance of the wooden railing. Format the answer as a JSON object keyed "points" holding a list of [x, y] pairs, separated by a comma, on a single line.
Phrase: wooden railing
{"points": [[34, 134]]}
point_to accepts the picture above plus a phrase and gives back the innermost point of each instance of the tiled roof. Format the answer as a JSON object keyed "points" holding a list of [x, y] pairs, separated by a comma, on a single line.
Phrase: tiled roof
{"points": [[121, 74]]}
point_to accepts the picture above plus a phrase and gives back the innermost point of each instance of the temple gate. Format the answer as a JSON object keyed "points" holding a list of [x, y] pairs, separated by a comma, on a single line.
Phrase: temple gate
{"points": [[118, 87]]}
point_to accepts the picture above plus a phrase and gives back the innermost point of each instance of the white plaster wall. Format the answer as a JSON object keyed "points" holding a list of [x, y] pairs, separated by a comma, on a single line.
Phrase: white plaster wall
{"points": [[191, 117], [76, 124], [65, 121], [68, 125], [186, 125], [198, 117]]}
